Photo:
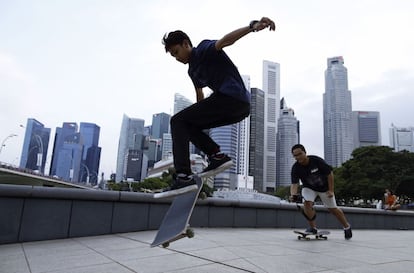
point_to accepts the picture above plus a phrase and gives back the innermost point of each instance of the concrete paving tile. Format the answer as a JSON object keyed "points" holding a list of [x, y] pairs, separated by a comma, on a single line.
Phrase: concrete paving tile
{"points": [[400, 267], [10, 250], [211, 268], [331, 262], [142, 236], [100, 268], [165, 263], [53, 247], [246, 265], [13, 263], [280, 264], [123, 255], [216, 254], [52, 263], [109, 243]]}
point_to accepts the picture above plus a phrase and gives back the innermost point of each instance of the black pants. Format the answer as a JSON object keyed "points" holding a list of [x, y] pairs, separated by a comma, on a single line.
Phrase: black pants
{"points": [[188, 125]]}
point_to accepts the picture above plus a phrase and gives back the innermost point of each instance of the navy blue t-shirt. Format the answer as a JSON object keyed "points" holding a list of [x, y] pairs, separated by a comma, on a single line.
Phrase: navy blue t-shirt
{"points": [[314, 175], [213, 68]]}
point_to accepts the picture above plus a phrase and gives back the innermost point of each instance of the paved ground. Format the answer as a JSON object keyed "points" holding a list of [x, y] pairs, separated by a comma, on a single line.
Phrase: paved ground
{"points": [[216, 250]]}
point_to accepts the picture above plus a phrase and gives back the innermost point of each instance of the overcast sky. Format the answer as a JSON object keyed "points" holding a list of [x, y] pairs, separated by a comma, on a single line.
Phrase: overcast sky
{"points": [[93, 61]]}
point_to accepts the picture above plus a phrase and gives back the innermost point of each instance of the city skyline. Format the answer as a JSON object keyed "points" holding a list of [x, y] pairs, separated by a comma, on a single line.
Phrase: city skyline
{"points": [[94, 62]]}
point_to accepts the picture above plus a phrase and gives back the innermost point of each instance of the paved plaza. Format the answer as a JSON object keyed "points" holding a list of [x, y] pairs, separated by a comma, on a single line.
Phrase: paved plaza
{"points": [[216, 250]]}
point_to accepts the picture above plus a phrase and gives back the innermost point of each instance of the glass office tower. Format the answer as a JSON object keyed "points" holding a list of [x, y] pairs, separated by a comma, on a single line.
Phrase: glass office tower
{"points": [[35, 146], [337, 113]]}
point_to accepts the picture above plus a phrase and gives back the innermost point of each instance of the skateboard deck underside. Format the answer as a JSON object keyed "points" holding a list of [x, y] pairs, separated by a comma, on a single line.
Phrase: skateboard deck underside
{"points": [[174, 226]]}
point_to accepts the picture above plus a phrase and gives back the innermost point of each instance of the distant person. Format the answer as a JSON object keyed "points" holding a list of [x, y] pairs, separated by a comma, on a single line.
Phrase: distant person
{"points": [[317, 180], [208, 66], [391, 200]]}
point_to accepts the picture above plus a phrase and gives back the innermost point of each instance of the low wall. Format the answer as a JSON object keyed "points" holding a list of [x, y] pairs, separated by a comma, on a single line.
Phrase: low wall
{"points": [[31, 213]]}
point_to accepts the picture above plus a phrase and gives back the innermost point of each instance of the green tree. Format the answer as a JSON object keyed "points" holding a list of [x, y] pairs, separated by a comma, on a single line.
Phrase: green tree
{"points": [[283, 192], [371, 170]]}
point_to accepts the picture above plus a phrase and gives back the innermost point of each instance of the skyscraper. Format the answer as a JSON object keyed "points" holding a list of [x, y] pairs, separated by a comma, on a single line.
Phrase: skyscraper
{"points": [[256, 141], [160, 125], [69, 158], [271, 88], [337, 113], [234, 141], [226, 137], [131, 138], [76, 155], [67, 129], [35, 146], [180, 102], [366, 128], [402, 138], [243, 180], [287, 136], [91, 152]]}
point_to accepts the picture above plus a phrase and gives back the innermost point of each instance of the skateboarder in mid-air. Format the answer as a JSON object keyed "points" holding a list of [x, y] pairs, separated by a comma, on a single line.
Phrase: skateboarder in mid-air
{"points": [[317, 180], [209, 66]]}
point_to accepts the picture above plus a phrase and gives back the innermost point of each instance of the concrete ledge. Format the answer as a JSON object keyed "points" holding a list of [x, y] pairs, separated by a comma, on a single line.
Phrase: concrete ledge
{"points": [[31, 213]]}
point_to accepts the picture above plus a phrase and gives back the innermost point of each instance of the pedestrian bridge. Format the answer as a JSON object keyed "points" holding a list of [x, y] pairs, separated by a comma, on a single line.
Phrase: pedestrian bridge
{"points": [[16, 176]]}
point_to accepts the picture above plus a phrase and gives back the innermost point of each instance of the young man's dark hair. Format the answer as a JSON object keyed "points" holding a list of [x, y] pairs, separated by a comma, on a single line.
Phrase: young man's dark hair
{"points": [[175, 38], [298, 146], [208, 66]]}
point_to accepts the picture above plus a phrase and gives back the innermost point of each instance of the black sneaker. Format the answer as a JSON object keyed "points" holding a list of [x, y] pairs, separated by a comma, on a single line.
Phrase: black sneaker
{"points": [[348, 233], [181, 181], [181, 184], [311, 230], [217, 164]]}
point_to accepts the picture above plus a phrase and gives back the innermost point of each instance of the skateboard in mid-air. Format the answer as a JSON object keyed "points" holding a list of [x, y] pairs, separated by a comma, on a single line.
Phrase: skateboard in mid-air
{"points": [[321, 235], [175, 224]]}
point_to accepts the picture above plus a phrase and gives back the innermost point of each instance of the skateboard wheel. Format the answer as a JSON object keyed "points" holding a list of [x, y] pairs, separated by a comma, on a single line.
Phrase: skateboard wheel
{"points": [[190, 233], [299, 237], [165, 245], [203, 195]]}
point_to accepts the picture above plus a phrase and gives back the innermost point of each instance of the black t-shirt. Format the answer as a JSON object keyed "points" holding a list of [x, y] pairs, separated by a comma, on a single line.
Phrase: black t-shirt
{"points": [[213, 68], [314, 175]]}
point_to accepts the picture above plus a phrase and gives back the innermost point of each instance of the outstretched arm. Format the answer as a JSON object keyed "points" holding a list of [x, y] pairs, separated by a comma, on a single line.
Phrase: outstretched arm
{"points": [[235, 35]]}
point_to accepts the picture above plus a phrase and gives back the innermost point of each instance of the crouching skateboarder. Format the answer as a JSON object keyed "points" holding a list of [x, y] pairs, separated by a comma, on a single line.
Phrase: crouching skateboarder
{"points": [[317, 180]]}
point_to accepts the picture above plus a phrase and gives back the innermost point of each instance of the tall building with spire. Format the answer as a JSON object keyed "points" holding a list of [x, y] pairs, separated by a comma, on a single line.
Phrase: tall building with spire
{"points": [[337, 113], [271, 88], [287, 136]]}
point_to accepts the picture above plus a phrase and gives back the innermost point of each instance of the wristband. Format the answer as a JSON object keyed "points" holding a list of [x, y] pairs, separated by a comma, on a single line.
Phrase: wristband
{"points": [[251, 25]]}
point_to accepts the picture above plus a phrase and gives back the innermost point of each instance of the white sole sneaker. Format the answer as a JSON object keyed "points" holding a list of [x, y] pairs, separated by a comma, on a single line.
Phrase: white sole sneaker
{"points": [[176, 192]]}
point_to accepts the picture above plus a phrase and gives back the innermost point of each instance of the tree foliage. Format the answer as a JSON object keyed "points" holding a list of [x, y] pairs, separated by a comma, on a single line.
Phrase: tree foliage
{"points": [[152, 183], [371, 170]]}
